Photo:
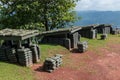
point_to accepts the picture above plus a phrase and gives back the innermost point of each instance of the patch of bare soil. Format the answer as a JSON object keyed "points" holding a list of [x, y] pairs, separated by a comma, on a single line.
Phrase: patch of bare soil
{"points": [[86, 66]]}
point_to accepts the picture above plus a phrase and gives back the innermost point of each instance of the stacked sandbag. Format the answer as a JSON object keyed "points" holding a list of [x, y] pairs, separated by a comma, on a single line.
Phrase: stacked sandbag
{"points": [[35, 53], [52, 63], [3, 56], [67, 43], [115, 32], [82, 46], [58, 59], [25, 57], [49, 65], [103, 36], [11, 55]]}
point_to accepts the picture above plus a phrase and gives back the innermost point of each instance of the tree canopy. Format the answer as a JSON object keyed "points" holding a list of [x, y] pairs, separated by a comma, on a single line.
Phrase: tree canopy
{"points": [[34, 14]]}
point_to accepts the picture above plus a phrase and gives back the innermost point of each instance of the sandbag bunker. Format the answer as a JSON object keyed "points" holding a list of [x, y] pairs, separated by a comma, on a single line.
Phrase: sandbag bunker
{"points": [[17, 47], [88, 32], [67, 37], [116, 31]]}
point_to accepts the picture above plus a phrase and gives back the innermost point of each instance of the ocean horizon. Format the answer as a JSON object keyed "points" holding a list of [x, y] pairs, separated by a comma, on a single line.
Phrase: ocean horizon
{"points": [[98, 17]]}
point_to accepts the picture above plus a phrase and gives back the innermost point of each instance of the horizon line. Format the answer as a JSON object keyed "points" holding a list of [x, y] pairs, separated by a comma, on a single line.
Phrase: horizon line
{"points": [[99, 10]]}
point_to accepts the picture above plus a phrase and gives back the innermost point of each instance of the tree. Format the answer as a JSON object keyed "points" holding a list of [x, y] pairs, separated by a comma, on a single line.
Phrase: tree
{"points": [[29, 13]]}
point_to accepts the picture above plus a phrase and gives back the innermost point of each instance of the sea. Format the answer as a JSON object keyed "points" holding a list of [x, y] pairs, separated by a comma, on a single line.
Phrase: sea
{"points": [[98, 17]]}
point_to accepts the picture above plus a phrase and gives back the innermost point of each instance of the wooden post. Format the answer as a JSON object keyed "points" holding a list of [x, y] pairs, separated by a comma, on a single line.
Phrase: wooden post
{"points": [[19, 45], [65, 36], [29, 42]]}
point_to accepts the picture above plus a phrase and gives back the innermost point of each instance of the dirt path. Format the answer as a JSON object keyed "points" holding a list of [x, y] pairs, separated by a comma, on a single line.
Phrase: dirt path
{"points": [[88, 66]]}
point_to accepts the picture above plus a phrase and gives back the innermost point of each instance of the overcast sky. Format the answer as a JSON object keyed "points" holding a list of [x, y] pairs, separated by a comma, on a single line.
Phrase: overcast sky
{"points": [[100, 5]]}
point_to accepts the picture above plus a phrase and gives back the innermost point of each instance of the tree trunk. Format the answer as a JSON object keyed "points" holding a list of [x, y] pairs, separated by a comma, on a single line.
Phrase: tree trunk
{"points": [[45, 18], [46, 25]]}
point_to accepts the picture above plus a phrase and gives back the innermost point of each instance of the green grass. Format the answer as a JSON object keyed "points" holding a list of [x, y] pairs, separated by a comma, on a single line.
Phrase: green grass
{"points": [[14, 72], [96, 44], [48, 50]]}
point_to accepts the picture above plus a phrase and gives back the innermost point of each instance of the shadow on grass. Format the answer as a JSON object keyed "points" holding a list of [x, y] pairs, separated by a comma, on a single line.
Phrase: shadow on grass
{"points": [[1, 61], [40, 69], [99, 39], [76, 51], [53, 44], [50, 44]]}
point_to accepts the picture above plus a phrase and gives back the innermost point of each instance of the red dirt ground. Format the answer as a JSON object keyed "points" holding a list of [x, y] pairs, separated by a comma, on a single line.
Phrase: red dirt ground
{"points": [[87, 66]]}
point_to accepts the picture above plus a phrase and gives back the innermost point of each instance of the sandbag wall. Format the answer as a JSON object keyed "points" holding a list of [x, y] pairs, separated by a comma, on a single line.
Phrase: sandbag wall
{"points": [[3, 56], [35, 52], [75, 38], [11, 54], [23, 56], [8, 54], [52, 40], [104, 29], [88, 33], [68, 40], [115, 31], [60, 41]]}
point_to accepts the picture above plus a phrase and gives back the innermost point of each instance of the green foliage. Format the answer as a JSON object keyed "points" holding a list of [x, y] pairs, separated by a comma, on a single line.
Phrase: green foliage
{"points": [[45, 13]]}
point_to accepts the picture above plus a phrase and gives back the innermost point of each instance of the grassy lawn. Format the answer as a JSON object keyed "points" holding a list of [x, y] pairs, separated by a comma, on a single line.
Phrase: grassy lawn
{"points": [[14, 72], [96, 43]]}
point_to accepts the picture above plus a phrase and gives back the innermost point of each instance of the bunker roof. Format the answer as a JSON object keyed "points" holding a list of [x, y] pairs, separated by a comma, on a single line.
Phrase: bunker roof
{"points": [[88, 27], [61, 31], [17, 34], [103, 25], [95, 26]]}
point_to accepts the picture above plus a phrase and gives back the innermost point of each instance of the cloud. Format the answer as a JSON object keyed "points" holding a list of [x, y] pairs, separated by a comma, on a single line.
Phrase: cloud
{"points": [[100, 5]]}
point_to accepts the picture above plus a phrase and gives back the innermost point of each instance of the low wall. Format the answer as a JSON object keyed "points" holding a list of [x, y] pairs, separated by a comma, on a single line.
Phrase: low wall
{"points": [[104, 29], [91, 34], [66, 42]]}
